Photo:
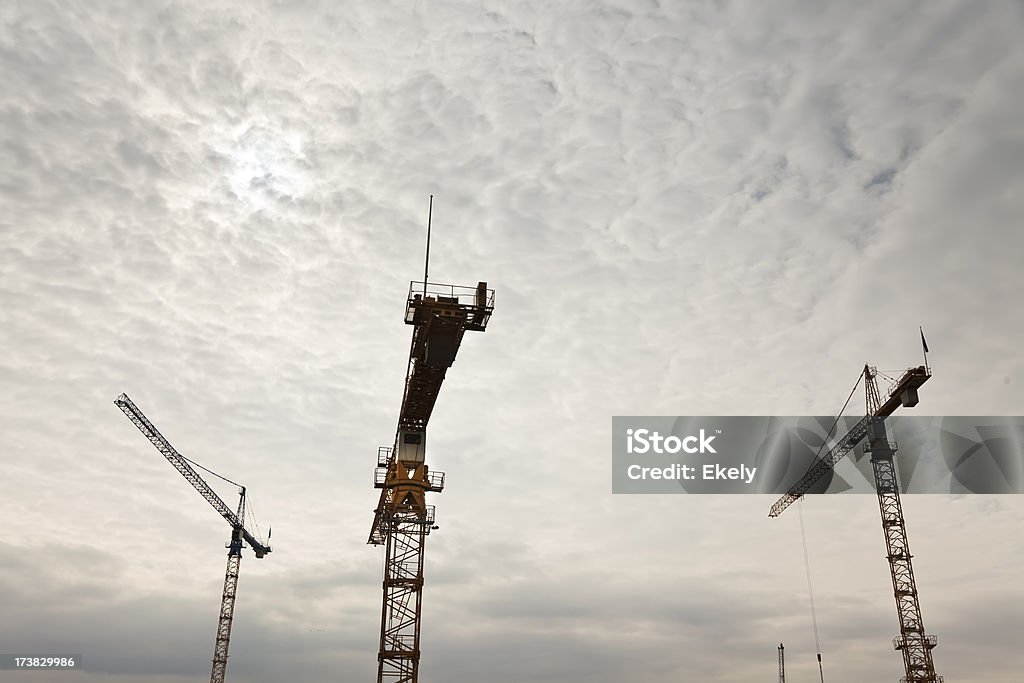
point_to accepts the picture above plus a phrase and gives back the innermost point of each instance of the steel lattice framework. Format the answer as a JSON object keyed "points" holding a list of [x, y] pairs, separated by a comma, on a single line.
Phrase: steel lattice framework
{"points": [[403, 595], [914, 644], [912, 641], [227, 606], [440, 316], [181, 464]]}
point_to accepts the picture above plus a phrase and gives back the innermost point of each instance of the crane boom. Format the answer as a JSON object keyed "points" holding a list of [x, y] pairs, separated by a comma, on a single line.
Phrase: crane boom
{"points": [[129, 408], [903, 392], [440, 316], [822, 467]]}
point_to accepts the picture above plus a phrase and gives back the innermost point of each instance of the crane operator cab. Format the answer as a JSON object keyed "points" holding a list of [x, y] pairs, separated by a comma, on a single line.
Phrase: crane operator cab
{"points": [[412, 447]]}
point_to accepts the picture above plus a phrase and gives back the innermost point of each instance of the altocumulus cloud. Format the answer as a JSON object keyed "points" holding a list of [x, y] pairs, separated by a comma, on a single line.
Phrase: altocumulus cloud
{"points": [[685, 208]]}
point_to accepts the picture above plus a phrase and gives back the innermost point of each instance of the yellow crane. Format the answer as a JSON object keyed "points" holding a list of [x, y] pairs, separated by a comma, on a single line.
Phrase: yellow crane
{"points": [[440, 316]]}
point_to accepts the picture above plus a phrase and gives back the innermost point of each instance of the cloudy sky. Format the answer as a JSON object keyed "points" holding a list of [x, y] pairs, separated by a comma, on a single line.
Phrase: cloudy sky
{"points": [[685, 208]]}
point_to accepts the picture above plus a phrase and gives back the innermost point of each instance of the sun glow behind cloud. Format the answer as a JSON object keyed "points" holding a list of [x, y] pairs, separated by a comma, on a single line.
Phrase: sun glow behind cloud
{"points": [[267, 163]]}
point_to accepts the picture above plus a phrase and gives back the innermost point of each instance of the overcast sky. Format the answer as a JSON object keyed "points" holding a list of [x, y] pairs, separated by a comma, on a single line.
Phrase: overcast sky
{"points": [[685, 208]]}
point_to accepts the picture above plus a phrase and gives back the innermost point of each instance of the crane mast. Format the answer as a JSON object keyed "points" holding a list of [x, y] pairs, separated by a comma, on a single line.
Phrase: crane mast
{"points": [[440, 316], [239, 534], [915, 646], [227, 600], [782, 664]]}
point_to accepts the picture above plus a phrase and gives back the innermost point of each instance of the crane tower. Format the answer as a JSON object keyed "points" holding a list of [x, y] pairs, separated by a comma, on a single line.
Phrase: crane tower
{"points": [[782, 664], [235, 519], [915, 646], [440, 316]]}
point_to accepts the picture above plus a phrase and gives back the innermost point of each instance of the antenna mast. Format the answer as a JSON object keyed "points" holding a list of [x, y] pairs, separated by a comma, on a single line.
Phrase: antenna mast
{"points": [[426, 261]]}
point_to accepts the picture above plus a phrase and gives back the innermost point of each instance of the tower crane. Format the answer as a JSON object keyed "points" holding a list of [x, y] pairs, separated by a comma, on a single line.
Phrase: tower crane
{"points": [[440, 315], [235, 518], [915, 646], [782, 664]]}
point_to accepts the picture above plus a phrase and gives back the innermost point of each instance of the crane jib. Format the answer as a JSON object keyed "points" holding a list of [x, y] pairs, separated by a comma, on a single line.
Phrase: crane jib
{"points": [[178, 461], [903, 392]]}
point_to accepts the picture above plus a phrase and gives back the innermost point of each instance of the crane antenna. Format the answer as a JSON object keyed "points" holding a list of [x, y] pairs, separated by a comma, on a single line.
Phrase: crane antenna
{"points": [[426, 260]]}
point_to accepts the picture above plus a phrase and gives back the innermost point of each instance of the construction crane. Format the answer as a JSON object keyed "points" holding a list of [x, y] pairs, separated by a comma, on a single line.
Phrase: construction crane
{"points": [[234, 518], [915, 646], [440, 315], [782, 664]]}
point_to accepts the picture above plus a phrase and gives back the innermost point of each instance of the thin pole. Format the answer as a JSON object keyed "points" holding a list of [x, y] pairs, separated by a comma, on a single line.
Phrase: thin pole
{"points": [[426, 261]]}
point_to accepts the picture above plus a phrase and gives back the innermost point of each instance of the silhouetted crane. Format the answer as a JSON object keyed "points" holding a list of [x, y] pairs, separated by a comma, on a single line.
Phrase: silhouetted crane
{"points": [[912, 641], [235, 519]]}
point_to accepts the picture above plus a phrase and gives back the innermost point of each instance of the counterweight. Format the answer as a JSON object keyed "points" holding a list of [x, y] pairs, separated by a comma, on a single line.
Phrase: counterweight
{"points": [[440, 315]]}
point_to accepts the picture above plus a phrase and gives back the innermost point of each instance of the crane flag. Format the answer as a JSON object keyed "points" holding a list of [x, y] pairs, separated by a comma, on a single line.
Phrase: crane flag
{"points": [[923, 342]]}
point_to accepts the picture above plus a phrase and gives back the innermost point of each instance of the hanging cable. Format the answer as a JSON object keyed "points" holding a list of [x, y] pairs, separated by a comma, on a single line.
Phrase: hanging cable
{"points": [[832, 429], [835, 424], [252, 518], [248, 508], [210, 471], [810, 591], [803, 532]]}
